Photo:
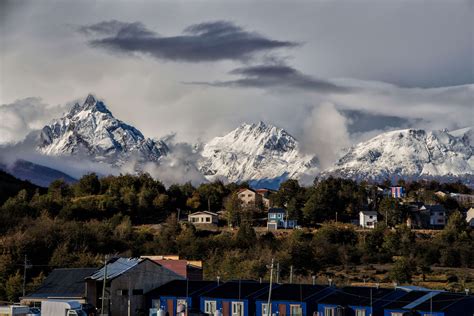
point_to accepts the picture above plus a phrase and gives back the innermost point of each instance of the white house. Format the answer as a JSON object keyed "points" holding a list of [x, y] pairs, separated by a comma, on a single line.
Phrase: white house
{"points": [[367, 219], [203, 217], [470, 217], [250, 197]]}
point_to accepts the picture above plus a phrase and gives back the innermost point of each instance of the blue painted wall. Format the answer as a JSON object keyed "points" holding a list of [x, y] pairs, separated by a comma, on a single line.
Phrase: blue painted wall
{"points": [[276, 304], [219, 304]]}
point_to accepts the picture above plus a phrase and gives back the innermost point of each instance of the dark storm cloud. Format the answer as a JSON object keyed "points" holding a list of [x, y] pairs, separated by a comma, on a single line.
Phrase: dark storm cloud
{"points": [[361, 121], [208, 41], [276, 76]]}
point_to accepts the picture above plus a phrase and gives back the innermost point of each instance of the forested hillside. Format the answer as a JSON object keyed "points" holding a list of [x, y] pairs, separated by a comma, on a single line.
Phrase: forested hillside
{"points": [[76, 225]]}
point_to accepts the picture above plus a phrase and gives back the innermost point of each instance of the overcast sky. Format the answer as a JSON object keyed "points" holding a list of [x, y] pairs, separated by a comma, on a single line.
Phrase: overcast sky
{"points": [[324, 70]]}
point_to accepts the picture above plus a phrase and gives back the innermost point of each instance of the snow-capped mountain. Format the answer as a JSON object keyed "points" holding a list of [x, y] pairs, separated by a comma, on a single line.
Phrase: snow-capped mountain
{"points": [[92, 131], [410, 153], [255, 152]]}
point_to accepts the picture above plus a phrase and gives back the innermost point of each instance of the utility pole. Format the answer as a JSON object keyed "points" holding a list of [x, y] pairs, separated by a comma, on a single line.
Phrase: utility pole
{"points": [[278, 272], [291, 274], [336, 217], [24, 277], [269, 312], [129, 303], [103, 286], [370, 301], [208, 204]]}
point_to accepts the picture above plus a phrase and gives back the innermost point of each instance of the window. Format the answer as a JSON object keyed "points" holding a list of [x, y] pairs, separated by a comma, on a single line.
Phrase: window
{"points": [[249, 195], [208, 219], [264, 309], [137, 292], [181, 306], [329, 311], [122, 292], [209, 307], [371, 217], [296, 310], [360, 312], [237, 309]]}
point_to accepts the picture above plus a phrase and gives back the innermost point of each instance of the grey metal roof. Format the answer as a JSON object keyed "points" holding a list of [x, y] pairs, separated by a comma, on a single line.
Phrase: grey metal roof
{"points": [[115, 268], [63, 283]]}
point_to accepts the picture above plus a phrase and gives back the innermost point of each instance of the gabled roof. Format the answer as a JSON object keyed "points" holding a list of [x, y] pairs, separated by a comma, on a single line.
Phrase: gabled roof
{"points": [[293, 292], [237, 289], [405, 300], [276, 210], [204, 212], [435, 208], [373, 213], [117, 267], [442, 301], [182, 288], [245, 189], [356, 296], [63, 283]]}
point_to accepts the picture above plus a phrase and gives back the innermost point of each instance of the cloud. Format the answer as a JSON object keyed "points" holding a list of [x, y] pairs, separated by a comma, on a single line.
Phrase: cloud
{"points": [[23, 116], [205, 42], [278, 76], [179, 166], [325, 134]]}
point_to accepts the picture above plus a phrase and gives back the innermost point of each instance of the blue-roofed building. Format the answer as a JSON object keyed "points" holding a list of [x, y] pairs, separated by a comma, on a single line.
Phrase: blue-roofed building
{"points": [[292, 299], [178, 295], [356, 301], [233, 298], [431, 303], [127, 281]]}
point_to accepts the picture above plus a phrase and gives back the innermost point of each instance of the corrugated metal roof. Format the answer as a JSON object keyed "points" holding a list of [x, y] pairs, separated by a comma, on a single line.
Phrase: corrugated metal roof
{"points": [[63, 283], [115, 268]]}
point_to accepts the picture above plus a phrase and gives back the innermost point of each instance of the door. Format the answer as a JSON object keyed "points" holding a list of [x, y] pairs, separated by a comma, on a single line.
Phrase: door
{"points": [[225, 309], [169, 307], [281, 309]]}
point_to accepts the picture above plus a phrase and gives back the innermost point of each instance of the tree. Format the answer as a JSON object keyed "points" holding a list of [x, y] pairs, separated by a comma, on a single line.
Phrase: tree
{"points": [[246, 236], [392, 211], [402, 271], [233, 207], [88, 184], [14, 287]]}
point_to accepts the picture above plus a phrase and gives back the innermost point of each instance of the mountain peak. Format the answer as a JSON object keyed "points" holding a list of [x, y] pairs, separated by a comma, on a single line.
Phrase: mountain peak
{"points": [[90, 129], [254, 151], [409, 153], [90, 100]]}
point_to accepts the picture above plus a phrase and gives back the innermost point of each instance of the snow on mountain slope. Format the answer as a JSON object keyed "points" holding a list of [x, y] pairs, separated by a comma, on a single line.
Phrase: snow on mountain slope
{"points": [[256, 151], [409, 153], [91, 130]]}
